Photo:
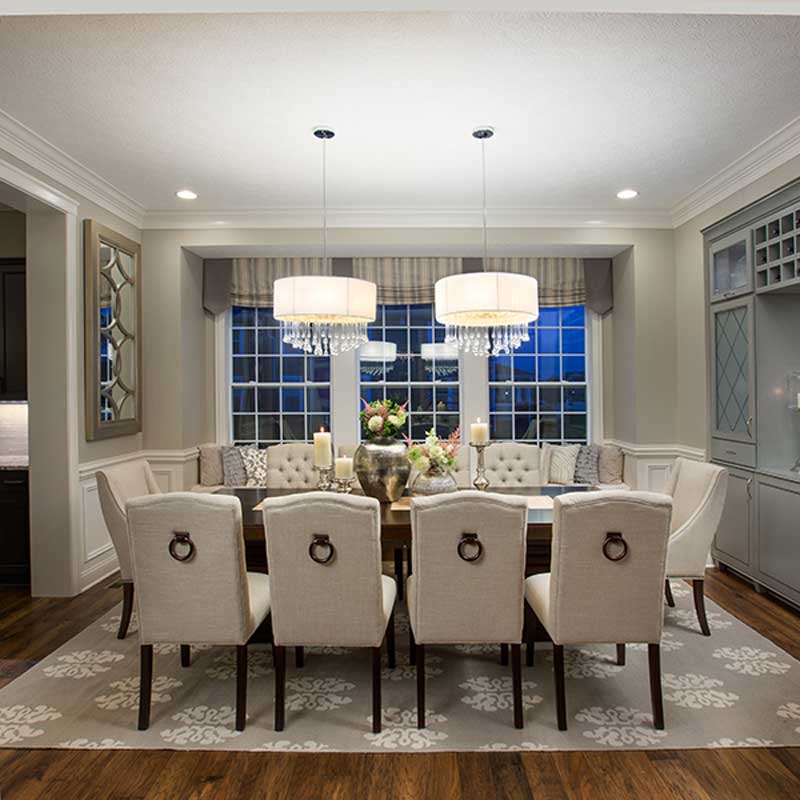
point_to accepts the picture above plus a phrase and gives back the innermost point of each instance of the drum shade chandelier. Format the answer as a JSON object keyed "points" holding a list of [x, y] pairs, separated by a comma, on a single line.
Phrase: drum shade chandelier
{"points": [[324, 314], [486, 313]]}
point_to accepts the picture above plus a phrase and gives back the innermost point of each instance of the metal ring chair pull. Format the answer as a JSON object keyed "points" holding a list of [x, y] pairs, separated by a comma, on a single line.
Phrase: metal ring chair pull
{"points": [[615, 542], [469, 540], [320, 541], [181, 539]]}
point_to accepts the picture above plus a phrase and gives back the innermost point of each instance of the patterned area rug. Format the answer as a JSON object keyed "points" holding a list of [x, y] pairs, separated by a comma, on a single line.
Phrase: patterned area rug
{"points": [[735, 689]]}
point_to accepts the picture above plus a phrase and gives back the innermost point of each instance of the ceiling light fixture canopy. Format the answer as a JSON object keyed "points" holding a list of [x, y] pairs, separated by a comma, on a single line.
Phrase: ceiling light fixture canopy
{"points": [[486, 313], [324, 314]]}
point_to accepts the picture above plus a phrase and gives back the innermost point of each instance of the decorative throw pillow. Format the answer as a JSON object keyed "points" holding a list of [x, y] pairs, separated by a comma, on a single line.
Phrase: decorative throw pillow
{"points": [[212, 472], [562, 463], [544, 462], [233, 466], [610, 464], [255, 465], [586, 465]]}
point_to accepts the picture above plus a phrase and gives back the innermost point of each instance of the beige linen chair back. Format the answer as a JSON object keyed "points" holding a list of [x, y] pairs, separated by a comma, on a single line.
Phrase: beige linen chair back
{"points": [[115, 486], [291, 466], [335, 603], [204, 598], [594, 598], [513, 464], [455, 601]]}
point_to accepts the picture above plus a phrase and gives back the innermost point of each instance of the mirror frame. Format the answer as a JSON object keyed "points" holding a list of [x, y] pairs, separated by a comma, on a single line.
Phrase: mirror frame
{"points": [[93, 235]]}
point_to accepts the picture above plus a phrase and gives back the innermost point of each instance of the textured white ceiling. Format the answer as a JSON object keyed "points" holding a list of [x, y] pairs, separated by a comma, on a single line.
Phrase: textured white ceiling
{"points": [[583, 104]]}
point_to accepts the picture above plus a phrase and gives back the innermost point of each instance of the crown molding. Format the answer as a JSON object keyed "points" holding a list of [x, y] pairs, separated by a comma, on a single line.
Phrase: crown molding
{"points": [[773, 152], [288, 218], [35, 151]]}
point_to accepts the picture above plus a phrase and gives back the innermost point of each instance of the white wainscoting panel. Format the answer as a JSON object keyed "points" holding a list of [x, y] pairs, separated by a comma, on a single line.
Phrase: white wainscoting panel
{"points": [[648, 466]]}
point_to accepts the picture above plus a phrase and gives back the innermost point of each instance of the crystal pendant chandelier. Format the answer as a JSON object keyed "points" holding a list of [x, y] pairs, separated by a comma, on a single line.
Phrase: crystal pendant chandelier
{"points": [[486, 313], [324, 314]]}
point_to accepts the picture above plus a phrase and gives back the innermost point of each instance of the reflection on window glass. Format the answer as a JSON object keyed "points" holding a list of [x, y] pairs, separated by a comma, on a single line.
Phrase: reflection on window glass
{"points": [[539, 393], [423, 371], [278, 393]]}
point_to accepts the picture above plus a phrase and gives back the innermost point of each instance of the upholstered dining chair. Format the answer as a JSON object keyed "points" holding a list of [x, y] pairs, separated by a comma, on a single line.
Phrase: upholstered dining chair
{"points": [[291, 466], [468, 581], [115, 486], [192, 585], [698, 491], [324, 554], [605, 582], [513, 464]]}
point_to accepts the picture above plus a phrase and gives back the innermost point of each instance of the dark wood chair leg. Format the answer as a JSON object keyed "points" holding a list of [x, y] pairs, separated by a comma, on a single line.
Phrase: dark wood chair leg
{"points": [[420, 659], [620, 655], [299, 657], [145, 684], [412, 646], [398, 571], [504, 655], [127, 609], [377, 711], [391, 652], [656, 698], [561, 697], [700, 606], [668, 593], [241, 686], [279, 654], [186, 655], [516, 683], [533, 625]]}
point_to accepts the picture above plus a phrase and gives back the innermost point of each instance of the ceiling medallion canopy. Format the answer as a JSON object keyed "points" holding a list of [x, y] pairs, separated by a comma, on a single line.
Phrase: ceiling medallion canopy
{"points": [[324, 314], [486, 313]]}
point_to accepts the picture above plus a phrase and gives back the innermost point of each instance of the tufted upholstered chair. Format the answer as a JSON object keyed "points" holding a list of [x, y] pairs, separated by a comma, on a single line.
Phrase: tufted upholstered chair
{"points": [[605, 582], [698, 492], [291, 466], [187, 552], [115, 486], [513, 464], [324, 554], [468, 582]]}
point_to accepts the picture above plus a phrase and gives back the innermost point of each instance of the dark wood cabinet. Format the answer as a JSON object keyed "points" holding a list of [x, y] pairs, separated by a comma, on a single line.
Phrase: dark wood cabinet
{"points": [[13, 347], [15, 560]]}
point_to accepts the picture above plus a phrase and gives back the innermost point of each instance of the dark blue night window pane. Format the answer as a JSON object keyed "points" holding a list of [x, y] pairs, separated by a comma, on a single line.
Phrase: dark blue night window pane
{"points": [[573, 340], [438, 334], [420, 425], [420, 370], [293, 370], [371, 372], [269, 400], [244, 342], [500, 426], [575, 398], [549, 428], [549, 368], [318, 399], [500, 398], [548, 317], [529, 346], [269, 370], [244, 426], [421, 398], [269, 342], [575, 369], [371, 394], [294, 427], [524, 369], [375, 333], [500, 369], [397, 394], [525, 426], [244, 370], [292, 399], [378, 317], [106, 373], [573, 316], [319, 369], [395, 315], [244, 317], [266, 320], [269, 429], [550, 398], [243, 398], [418, 338], [446, 399], [446, 424], [399, 336], [420, 314], [397, 370], [317, 422], [548, 340], [575, 426], [525, 398]]}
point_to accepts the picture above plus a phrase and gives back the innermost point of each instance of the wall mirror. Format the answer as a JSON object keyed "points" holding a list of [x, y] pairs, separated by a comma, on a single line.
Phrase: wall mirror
{"points": [[112, 265]]}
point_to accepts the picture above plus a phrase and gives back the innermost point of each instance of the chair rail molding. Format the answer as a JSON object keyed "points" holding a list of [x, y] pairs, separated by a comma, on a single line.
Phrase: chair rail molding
{"points": [[647, 466]]}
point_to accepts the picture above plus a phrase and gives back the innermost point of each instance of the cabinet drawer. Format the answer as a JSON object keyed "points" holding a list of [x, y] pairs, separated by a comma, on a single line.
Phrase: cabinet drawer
{"points": [[733, 452]]}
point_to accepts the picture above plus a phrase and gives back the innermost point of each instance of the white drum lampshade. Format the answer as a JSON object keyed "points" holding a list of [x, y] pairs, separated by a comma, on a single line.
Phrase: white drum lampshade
{"points": [[378, 351], [441, 351]]}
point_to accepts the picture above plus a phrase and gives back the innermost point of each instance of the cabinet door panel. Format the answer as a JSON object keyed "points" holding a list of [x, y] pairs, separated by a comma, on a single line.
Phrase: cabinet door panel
{"points": [[779, 532], [736, 523], [731, 266]]}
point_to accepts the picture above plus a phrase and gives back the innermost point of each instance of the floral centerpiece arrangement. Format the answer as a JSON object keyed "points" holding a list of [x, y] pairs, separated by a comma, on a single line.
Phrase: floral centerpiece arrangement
{"points": [[434, 460], [382, 419]]}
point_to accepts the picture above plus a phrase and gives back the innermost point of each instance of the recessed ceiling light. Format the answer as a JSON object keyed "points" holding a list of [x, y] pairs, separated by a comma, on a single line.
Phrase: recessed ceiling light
{"points": [[186, 194], [627, 194], [219, 222], [594, 222]]}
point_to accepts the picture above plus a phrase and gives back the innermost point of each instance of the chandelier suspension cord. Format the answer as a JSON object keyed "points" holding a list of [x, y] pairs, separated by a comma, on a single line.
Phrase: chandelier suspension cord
{"points": [[485, 226], [324, 206]]}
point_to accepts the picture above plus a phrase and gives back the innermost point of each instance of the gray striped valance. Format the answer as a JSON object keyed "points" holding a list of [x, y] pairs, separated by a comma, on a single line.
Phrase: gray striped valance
{"points": [[405, 280]]}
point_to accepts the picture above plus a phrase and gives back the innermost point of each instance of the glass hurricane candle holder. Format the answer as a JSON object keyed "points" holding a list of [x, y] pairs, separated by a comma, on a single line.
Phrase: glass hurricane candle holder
{"points": [[481, 482], [325, 478]]}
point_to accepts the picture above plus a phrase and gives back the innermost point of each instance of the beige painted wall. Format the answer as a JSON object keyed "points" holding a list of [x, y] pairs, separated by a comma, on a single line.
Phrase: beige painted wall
{"points": [[12, 234], [690, 330]]}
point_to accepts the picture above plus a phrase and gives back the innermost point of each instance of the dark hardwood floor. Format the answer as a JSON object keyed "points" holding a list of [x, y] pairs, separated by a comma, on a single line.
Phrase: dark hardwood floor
{"points": [[32, 628]]}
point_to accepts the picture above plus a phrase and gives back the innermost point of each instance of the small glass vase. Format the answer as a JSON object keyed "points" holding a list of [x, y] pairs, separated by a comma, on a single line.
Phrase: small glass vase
{"points": [[433, 482]]}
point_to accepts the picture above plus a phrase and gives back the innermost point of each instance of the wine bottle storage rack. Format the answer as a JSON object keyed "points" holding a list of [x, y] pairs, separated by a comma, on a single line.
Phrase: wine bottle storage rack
{"points": [[776, 244]]}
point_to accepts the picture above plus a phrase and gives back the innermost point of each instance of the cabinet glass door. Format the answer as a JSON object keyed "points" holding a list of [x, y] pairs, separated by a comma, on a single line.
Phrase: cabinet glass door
{"points": [[732, 379], [731, 267]]}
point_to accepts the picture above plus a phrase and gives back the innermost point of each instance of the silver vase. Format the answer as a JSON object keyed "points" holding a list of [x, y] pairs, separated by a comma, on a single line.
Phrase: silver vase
{"points": [[382, 468], [432, 482]]}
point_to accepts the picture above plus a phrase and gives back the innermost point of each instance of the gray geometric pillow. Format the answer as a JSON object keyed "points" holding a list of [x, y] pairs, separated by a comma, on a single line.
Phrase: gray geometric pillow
{"points": [[586, 466], [255, 465], [233, 466], [611, 464]]}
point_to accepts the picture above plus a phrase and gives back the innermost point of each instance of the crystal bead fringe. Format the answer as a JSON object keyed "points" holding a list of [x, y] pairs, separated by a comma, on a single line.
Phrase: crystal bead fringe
{"points": [[487, 341], [324, 338]]}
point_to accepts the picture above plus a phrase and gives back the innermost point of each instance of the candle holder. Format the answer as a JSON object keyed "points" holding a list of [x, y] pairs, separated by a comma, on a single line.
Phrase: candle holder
{"points": [[344, 485], [325, 479], [481, 482]]}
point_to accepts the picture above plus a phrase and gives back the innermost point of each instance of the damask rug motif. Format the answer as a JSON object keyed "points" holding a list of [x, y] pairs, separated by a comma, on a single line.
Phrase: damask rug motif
{"points": [[734, 689]]}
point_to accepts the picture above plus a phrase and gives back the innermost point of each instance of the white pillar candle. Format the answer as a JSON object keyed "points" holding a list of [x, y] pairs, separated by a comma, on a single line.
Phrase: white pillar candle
{"points": [[479, 432], [344, 467], [322, 449]]}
